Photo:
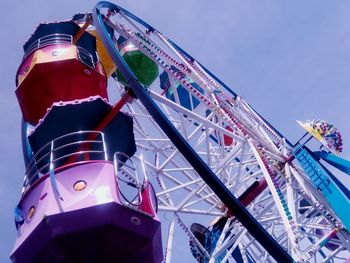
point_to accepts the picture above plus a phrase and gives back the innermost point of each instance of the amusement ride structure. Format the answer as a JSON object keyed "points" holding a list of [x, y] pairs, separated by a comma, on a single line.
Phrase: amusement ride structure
{"points": [[180, 167]]}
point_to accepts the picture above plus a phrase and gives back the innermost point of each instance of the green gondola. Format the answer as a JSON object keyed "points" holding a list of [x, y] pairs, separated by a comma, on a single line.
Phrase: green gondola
{"points": [[145, 69]]}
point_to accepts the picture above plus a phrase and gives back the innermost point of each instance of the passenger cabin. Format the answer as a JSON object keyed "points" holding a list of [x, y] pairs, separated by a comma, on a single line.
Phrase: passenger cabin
{"points": [[78, 206], [56, 68]]}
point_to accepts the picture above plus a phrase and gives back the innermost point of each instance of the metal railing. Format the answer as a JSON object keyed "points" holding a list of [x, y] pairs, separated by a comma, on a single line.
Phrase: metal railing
{"points": [[52, 39], [85, 57], [58, 38], [67, 149], [129, 185], [132, 186]]}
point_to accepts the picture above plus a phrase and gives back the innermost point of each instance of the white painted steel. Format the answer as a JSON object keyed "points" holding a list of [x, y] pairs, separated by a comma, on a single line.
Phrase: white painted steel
{"points": [[257, 153]]}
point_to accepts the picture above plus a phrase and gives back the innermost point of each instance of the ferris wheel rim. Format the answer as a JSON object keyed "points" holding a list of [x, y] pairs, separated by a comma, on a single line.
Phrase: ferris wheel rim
{"points": [[149, 27], [202, 169]]}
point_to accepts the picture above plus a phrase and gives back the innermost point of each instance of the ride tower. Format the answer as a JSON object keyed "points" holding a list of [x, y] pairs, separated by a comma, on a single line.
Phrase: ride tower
{"points": [[83, 199]]}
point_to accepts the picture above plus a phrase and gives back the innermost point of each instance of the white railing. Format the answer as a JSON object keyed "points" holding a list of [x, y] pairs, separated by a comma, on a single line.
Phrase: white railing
{"points": [[85, 57], [129, 184], [57, 38], [48, 40], [67, 149]]}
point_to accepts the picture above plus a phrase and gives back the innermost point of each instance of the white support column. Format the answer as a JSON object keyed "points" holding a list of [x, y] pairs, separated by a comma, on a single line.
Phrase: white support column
{"points": [[274, 194], [169, 245], [195, 116], [290, 198]]}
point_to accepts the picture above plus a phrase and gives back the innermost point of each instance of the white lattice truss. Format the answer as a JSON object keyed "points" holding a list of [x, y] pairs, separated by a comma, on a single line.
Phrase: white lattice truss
{"points": [[255, 153]]}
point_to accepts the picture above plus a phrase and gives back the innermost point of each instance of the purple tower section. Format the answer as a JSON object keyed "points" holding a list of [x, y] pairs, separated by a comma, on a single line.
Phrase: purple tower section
{"points": [[85, 225]]}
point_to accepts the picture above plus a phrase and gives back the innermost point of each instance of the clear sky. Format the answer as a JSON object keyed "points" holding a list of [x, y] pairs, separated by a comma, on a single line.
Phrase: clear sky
{"points": [[289, 59]]}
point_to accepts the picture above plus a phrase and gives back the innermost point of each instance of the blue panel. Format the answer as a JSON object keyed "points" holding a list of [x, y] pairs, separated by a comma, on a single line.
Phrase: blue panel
{"points": [[184, 94], [324, 183], [209, 240], [340, 163], [27, 150]]}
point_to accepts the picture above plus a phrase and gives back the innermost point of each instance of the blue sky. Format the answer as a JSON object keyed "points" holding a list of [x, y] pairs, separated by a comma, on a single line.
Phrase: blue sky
{"points": [[289, 59]]}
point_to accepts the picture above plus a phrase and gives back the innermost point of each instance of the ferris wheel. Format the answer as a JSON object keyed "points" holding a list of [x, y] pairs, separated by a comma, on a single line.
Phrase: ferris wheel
{"points": [[229, 187], [178, 168]]}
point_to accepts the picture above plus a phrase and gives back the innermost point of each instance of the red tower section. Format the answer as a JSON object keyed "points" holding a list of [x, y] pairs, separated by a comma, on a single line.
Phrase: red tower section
{"points": [[55, 68]]}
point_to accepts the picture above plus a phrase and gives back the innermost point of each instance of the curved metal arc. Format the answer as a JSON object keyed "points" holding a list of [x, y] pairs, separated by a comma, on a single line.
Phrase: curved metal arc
{"points": [[227, 88], [205, 69], [186, 150], [114, 7], [108, 42]]}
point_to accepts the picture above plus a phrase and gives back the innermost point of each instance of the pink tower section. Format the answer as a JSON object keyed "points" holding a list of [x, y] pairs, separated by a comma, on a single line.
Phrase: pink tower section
{"points": [[66, 227]]}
